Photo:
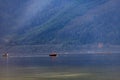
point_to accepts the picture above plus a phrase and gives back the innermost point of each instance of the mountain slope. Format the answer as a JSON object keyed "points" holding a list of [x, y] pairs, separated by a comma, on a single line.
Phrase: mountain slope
{"points": [[9, 12], [71, 22]]}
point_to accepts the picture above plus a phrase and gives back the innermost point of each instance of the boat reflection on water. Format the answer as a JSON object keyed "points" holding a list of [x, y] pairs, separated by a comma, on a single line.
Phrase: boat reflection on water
{"points": [[53, 56]]}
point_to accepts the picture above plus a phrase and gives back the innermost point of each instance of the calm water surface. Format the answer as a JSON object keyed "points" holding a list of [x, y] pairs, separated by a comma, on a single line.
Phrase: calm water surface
{"points": [[62, 67]]}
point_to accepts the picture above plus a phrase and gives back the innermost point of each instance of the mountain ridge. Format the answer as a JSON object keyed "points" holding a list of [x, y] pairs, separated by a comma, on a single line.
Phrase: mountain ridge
{"points": [[72, 22]]}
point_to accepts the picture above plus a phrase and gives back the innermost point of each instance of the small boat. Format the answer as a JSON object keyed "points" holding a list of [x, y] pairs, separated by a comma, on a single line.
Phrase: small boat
{"points": [[53, 54], [5, 55]]}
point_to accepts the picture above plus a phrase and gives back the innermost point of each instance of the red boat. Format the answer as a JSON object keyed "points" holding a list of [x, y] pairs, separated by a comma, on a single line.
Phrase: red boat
{"points": [[53, 54]]}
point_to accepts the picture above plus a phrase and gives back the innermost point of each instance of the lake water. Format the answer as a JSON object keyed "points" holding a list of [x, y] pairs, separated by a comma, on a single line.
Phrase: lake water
{"points": [[62, 67]]}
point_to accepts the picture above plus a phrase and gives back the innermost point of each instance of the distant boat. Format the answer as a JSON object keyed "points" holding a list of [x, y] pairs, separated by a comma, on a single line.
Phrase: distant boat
{"points": [[5, 55], [53, 54]]}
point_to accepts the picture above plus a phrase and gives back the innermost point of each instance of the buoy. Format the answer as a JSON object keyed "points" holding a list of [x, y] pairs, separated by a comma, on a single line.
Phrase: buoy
{"points": [[5, 55]]}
